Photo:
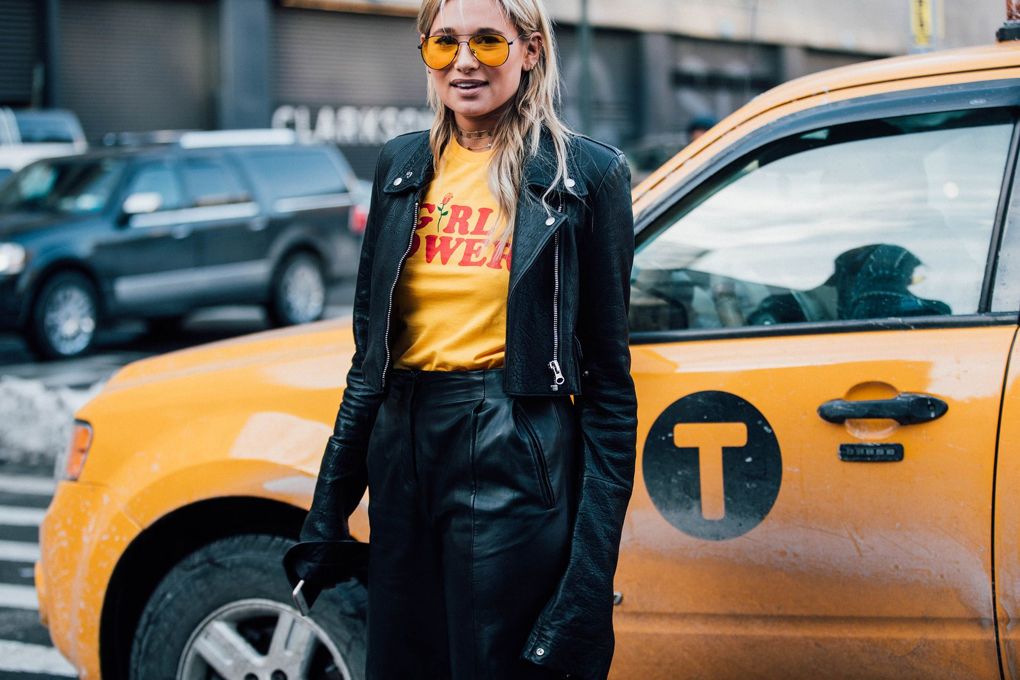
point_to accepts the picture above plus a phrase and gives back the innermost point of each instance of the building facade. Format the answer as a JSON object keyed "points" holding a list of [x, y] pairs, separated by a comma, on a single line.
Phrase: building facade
{"points": [[348, 70]]}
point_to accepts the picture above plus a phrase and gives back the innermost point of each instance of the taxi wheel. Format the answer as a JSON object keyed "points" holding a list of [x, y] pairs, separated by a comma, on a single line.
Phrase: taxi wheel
{"points": [[225, 611], [65, 316], [298, 292]]}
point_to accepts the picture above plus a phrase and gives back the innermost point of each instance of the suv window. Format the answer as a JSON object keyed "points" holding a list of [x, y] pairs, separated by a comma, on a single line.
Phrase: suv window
{"points": [[884, 218], [292, 173], [158, 178], [72, 187], [210, 180]]}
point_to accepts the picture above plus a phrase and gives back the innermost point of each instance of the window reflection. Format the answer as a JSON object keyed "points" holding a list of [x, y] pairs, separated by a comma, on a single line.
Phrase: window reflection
{"points": [[880, 219]]}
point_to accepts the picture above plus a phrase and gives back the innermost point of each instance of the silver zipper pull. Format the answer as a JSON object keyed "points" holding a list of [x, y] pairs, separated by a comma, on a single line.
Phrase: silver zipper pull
{"points": [[558, 378]]}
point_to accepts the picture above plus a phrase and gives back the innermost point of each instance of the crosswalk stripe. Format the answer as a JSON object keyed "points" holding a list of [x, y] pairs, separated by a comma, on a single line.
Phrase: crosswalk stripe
{"points": [[18, 597], [25, 658], [18, 551], [27, 484], [11, 515]]}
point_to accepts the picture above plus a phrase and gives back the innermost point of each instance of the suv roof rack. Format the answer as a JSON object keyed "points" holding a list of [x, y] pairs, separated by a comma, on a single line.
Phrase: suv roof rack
{"points": [[194, 139], [255, 136]]}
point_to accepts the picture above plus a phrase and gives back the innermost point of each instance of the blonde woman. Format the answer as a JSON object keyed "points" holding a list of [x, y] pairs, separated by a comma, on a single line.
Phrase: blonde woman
{"points": [[493, 287]]}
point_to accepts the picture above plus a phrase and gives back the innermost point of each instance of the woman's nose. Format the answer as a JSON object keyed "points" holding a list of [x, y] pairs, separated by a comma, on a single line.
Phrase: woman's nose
{"points": [[466, 60]]}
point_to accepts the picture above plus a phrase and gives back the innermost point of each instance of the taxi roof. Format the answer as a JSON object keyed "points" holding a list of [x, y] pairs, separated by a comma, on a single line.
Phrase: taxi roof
{"points": [[888, 74]]}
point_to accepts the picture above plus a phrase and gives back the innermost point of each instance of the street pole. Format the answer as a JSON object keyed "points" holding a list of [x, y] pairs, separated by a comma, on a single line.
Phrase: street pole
{"points": [[585, 101]]}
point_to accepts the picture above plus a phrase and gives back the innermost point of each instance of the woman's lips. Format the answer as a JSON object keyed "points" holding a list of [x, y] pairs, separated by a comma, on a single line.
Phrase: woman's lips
{"points": [[467, 85]]}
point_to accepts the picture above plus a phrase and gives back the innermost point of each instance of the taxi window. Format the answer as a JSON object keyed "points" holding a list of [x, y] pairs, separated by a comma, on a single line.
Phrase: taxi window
{"points": [[881, 219]]}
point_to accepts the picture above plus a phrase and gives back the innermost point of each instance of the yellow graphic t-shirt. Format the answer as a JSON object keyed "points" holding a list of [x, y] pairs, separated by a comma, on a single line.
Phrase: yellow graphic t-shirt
{"points": [[450, 300]]}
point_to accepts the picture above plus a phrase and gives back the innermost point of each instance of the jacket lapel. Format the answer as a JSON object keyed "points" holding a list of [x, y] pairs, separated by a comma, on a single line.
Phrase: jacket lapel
{"points": [[535, 225]]}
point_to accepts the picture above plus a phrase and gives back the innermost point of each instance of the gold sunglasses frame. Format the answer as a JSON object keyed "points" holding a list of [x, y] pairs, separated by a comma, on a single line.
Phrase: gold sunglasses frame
{"points": [[421, 48]]}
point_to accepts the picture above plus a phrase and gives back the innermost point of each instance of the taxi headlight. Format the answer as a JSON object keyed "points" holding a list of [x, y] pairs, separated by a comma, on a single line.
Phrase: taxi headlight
{"points": [[70, 462], [12, 258]]}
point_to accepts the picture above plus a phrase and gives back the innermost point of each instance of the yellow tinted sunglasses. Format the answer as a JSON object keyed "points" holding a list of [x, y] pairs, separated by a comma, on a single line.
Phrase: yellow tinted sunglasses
{"points": [[491, 49]]}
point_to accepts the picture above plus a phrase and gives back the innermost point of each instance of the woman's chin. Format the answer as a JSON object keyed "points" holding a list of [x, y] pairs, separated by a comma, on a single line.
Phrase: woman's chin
{"points": [[473, 109]]}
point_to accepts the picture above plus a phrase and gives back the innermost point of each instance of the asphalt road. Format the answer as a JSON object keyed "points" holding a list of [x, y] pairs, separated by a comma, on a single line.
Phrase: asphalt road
{"points": [[26, 651]]}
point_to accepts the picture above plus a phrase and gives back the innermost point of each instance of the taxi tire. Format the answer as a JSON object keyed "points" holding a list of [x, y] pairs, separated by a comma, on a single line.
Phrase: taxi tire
{"points": [[232, 569]]}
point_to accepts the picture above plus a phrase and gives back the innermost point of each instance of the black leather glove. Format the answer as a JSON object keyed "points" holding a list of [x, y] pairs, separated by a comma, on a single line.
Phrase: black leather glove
{"points": [[341, 484]]}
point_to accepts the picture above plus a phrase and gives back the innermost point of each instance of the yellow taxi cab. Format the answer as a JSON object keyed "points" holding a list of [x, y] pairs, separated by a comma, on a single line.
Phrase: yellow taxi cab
{"points": [[824, 308]]}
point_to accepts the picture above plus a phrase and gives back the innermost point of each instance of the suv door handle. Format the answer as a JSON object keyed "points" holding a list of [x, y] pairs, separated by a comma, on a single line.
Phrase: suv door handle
{"points": [[907, 408], [181, 230], [258, 223]]}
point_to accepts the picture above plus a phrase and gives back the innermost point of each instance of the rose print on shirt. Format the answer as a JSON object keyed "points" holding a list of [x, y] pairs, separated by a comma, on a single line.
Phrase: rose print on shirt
{"points": [[443, 212]]}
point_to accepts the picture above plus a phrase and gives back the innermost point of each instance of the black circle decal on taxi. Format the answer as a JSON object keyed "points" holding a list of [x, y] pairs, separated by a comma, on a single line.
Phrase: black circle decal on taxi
{"points": [[712, 465]]}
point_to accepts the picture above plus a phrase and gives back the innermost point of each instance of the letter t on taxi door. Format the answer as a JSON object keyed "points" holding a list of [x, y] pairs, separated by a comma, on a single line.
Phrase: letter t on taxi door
{"points": [[709, 439]]}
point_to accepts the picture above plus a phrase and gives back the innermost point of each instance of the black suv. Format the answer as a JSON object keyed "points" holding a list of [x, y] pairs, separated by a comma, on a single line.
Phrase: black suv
{"points": [[156, 231]]}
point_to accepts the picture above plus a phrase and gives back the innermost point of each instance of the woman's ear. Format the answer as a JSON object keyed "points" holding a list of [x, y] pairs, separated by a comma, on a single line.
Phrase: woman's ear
{"points": [[533, 50]]}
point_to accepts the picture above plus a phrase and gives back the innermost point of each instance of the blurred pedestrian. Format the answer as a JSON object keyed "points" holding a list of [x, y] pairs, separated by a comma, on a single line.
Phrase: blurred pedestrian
{"points": [[698, 126], [496, 502]]}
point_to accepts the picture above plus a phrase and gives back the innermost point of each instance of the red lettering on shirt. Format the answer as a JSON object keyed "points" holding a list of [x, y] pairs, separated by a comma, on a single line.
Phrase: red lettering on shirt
{"points": [[444, 246], [459, 215], [497, 262], [483, 217], [472, 253]]}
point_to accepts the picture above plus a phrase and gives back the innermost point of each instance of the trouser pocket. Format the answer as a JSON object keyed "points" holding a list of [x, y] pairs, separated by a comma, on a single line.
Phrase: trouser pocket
{"points": [[542, 427]]}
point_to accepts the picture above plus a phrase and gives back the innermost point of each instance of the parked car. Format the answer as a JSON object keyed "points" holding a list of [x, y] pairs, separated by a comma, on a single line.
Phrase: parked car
{"points": [[30, 134], [157, 231], [828, 441]]}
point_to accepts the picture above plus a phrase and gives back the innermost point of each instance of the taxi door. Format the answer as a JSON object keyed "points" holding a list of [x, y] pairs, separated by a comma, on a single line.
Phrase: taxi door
{"points": [[819, 376], [1007, 478]]}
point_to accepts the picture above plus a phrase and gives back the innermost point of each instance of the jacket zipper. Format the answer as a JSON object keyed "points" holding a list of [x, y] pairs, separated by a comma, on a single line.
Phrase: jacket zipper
{"points": [[554, 365], [389, 307]]}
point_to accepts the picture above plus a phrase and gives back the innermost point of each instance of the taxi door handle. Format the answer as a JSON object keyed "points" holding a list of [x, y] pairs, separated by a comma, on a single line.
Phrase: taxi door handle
{"points": [[907, 408]]}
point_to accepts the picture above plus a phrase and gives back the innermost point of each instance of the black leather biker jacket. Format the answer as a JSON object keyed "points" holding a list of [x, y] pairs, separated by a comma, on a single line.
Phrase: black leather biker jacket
{"points": [[566, 334]]}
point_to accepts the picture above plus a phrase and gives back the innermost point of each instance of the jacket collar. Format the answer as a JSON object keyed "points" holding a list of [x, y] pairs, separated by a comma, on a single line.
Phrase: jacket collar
{"points": [[539, 170]]}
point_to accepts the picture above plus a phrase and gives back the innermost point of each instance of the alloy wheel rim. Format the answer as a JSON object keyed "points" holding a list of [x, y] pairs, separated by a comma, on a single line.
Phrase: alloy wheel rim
{"points": [[303, 292], [260, 639], [69, 319]]}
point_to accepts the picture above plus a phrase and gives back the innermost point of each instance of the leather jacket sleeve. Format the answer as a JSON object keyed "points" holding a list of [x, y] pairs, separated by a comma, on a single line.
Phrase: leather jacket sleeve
{"points": [[574, 633], [343, 475]]}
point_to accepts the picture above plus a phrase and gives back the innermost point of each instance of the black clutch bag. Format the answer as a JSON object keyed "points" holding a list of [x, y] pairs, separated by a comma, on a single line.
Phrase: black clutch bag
{"points": [[314, 566]]}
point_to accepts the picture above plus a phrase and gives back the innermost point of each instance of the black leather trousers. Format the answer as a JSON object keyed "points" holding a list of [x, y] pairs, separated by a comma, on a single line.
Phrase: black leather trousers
{"points": [[471, 497]]}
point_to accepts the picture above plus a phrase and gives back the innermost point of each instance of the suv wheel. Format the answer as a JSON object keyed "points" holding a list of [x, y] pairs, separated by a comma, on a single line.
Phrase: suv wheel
{"points": [[298, 292], [64, 317], [225, 611]]}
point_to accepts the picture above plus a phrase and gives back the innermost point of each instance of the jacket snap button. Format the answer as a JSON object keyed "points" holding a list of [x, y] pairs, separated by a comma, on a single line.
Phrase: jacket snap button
{"points": [[551, 221], [569, 182], [540, 651], [397, 181], [409, 173]]}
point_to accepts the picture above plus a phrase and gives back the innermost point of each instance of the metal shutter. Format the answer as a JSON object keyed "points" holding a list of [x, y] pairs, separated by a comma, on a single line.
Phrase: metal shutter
{"points": [[347, 63], [138, 64], [19, 50]]}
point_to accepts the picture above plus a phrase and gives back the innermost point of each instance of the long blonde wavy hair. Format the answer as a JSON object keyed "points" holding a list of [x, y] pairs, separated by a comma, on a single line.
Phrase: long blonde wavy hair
{"points": [[518, 131]]}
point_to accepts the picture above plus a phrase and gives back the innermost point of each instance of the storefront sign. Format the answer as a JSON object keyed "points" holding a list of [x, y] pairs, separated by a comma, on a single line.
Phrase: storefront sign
{"points": [[369, 125]]}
